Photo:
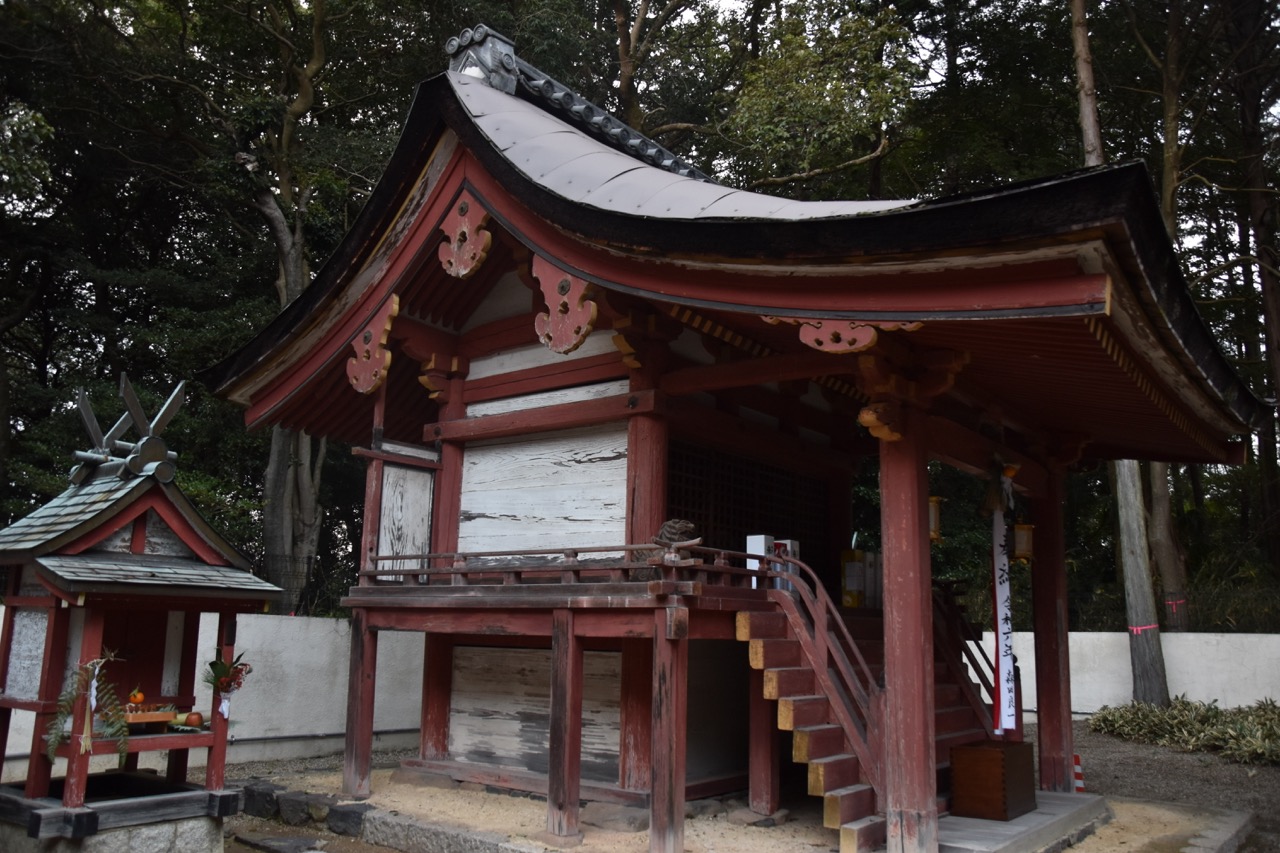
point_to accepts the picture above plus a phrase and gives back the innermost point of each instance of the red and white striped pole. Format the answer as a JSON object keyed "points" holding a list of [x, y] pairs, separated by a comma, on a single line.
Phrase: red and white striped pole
{"points": [[1079, 775]]}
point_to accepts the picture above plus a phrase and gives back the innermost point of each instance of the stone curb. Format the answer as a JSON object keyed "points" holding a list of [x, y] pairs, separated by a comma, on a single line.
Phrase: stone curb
{"points": [[1229, 830]]}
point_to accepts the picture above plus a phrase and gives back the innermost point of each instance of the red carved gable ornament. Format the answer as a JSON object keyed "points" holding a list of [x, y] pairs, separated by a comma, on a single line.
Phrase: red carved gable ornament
{"points": [[469, 242], [571, 314], [367, 369]]}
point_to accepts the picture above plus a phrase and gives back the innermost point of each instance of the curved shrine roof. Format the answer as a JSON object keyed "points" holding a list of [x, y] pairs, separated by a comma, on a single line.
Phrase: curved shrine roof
{"points": [[1064, 293]]}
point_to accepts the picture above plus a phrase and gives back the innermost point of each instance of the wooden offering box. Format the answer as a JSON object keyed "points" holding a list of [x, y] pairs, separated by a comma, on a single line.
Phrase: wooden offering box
{"points": [[992, 781]]}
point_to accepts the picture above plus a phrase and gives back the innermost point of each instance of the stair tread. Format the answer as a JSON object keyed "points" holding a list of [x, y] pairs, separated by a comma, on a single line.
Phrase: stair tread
{"points": [[856, 788]]}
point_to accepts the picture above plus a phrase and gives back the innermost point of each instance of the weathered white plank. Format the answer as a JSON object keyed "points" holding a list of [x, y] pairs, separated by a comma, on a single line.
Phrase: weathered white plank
{"points": [[537, 355], [551, 490], [549, 398], [162, 541], [500, 713], [26, 654], [509, 297], [405, 522]]}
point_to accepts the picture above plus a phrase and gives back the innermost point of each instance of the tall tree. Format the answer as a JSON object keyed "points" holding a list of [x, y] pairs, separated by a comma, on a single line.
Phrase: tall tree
{"points": [[1145, 652]]}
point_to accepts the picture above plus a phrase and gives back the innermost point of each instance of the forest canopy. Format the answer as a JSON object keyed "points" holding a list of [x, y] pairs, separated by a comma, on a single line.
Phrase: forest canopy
{"points": [[172, 172]]}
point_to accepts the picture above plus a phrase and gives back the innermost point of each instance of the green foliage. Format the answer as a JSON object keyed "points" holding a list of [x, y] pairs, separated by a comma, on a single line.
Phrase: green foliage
{"points": [[827, 82], [109, 721], [1243, 735]]}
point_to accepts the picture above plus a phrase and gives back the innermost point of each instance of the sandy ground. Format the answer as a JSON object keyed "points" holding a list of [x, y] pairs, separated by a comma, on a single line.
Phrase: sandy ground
{"points": [[1161, 798]]}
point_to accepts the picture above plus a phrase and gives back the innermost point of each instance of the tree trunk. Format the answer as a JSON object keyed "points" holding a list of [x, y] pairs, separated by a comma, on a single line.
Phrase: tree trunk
{"points": [[1090, 130], [1146, 654], [292, 512], [1165, 552]]}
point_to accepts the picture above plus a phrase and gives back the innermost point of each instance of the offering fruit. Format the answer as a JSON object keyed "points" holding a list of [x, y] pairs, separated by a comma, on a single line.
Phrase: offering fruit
{"points": [[194, 720], [137, 697]]}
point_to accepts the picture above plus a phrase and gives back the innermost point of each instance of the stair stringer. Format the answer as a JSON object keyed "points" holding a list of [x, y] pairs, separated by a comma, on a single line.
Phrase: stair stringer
{"points": [[846, 777]]}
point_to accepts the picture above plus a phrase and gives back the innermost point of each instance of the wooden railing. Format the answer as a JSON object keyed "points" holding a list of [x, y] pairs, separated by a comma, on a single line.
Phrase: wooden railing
{"points": [[840, 669], [962, 649]]}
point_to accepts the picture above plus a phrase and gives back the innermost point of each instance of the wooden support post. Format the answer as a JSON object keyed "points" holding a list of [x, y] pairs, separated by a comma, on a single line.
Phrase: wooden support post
{"points": [[635, 699], [1053, 660], [670, 736], [224, 650], [647, 445], [39, 767], [74, 786], [6, 645], [911, 810], [446, 508], [362, 678], [437, 695], [763, 749], [176, 766], [564, 775]]}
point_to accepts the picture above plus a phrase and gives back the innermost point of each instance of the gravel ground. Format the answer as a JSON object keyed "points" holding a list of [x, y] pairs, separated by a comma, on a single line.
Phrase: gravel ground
{"points": [[1112, 767]]}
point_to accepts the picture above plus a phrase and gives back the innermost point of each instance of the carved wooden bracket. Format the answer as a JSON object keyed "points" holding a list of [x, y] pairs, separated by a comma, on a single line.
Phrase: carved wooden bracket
{"points": [[436, 372], [367, 369], [883, 419], [571, 314], [930, 374], [469, 242], [840, 336]]}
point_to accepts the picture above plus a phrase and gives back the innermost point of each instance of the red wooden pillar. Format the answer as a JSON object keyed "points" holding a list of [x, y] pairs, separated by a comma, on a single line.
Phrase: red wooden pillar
{"points": [[189, 657], [362, 677], [437, 693], [564, 773], [670, 721], [635, 735], [763, 749], [216, 765], [648, 443], [39, 767], [77, 780], [911, 810], [1053, 663], [446, 508]]}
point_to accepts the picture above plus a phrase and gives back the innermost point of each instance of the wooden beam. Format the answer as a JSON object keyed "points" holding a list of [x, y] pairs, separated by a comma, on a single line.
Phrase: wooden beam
{"points": [[357, 760], [1050, 624], [911, 809], [564, 774], [562, 416], [547, 377], [755, 371], [437, 695], [670, 709], [969, 451], [764, 753]]}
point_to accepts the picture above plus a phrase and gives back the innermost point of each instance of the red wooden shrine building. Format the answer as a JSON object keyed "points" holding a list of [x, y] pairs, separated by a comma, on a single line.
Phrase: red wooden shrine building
{"points": [[547, 334], [115, 573]]}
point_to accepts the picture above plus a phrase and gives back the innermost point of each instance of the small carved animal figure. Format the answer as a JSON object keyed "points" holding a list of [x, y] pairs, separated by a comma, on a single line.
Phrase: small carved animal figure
{"points": [[673, 530]]}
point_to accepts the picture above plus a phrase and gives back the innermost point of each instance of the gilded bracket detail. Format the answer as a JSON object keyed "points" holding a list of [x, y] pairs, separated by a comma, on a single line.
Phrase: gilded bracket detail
{"points": [[367, 369], [571, 314], [469, 242]]}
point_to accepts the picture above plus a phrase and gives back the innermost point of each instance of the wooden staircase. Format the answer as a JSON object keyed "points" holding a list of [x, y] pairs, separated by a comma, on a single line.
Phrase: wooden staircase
{"points": [[826, 681]]}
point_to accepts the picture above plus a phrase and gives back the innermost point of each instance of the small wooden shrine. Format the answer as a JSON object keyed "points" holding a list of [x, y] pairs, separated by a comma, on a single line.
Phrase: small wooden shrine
{"points": [[548, 335], [103, 588]]}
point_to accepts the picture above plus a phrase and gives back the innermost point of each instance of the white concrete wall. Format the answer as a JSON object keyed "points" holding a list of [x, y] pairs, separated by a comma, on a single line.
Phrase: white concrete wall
{"points": [[295, 700], [294, 703], [1232, 669]]}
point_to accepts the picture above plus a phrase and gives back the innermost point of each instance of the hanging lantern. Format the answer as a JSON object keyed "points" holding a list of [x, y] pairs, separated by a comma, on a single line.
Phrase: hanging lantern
{"points": [[1023, 542], [935, 518]]}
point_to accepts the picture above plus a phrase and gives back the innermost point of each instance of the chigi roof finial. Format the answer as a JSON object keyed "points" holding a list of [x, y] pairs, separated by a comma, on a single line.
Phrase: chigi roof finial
{"points": [[148, 456]]}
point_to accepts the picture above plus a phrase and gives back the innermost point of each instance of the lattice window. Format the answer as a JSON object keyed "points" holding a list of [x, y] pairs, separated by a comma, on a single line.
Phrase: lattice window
{"points": [[731, 497]]}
